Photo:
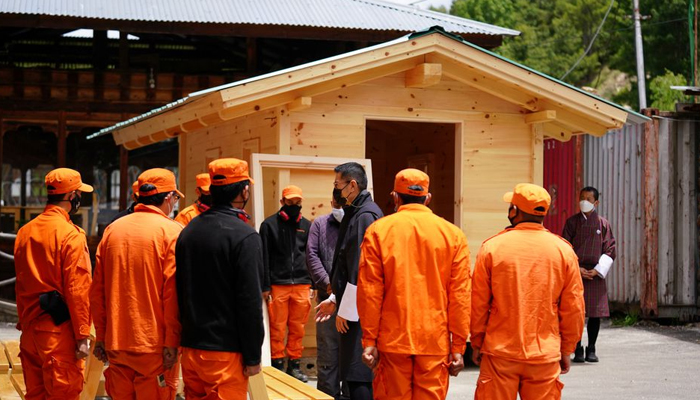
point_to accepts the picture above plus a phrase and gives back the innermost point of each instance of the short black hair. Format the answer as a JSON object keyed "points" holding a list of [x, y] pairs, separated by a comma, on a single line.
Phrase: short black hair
{"points": [[54, 198], [224, 195], [591, 189], [408, 199], [153, 200], [353, 171], [531, 217]]}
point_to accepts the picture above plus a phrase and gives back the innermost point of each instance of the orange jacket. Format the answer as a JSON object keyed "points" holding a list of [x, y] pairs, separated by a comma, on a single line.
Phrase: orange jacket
{"points": [[527, 296], [133, 295], [188, 213], [413, 284], [52, 254]]}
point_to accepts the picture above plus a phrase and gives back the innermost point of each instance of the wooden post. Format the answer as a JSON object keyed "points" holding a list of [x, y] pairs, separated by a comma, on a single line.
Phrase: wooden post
{"points": [[650, 248], [124, 183], [252, 60], [62, 134], [2, 175]]}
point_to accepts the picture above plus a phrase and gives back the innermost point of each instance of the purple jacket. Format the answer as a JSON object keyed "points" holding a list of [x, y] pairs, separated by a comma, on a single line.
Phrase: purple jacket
{"points": [[320, 247]]}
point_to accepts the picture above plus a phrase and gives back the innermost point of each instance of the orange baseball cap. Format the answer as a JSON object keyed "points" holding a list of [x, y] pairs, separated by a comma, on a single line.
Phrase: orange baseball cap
{"points": [[135, 188], [203, 181], [226, 171], [532, 199], [292, 192], [161, 178], [65, 180], [409, 180]]}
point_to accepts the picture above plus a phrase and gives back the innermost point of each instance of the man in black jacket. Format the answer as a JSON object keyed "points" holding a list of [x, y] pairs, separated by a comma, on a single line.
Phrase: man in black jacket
{"points": [[350, 191], [219, 265], [287, 283]]}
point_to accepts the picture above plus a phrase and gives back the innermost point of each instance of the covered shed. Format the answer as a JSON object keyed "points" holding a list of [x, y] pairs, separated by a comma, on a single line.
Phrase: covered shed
{"points": [[472, 119]]}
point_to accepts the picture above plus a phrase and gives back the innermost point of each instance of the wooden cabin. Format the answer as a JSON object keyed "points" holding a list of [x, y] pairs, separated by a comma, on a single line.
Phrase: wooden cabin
{"points": [[473, 120]]}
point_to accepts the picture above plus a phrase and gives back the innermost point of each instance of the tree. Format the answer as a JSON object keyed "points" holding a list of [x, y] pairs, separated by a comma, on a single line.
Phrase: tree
{"points": [[662, 96]]}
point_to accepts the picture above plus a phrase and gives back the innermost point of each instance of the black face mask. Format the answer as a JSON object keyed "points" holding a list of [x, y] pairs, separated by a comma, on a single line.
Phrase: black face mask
{"points": [[338, 196], [292, 212], [205, 199], [75, 204]]}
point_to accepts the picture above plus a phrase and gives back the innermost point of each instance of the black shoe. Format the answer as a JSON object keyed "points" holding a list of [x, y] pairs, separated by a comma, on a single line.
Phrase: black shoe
{"points": [[578, 355], [590, 354], [278, 363], [294, 370]]}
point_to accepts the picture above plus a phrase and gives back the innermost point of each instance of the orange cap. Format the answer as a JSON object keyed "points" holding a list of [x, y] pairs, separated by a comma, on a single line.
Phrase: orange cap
{"points": [[532, 199], [408, 181], [292, 192], [226, 171], [135, 188], [65, 180], [203, 181], [161, 178]]}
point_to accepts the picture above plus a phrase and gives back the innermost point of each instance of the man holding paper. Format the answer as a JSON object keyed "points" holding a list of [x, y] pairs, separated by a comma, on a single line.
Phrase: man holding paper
{"points": [[594, 243]]}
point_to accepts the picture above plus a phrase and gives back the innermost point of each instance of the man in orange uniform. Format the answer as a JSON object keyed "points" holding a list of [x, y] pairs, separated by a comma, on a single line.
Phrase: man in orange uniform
{"points": [[413, 296], [219, 270], [201, 205], [527, 304], [133, 295], [286, 280], [53, 271]]}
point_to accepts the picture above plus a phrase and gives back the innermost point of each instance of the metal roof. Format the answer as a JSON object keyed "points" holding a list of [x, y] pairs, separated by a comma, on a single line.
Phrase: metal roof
{"points": [[342, 14]]}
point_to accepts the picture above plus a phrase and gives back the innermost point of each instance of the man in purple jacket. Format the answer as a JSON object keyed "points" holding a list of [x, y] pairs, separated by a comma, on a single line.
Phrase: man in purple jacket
{"points": [[320, 247]]}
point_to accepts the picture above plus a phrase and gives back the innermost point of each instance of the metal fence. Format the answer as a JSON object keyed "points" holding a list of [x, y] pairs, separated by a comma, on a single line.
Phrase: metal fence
{"points": [[615, 165]]}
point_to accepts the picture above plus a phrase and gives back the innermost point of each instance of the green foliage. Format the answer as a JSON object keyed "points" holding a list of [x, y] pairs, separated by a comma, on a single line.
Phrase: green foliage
{"points": [[662, 96], [629, 319], [555, 33]]}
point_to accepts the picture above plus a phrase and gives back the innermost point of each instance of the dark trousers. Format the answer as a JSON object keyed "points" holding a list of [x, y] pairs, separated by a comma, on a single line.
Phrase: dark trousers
{"points": [[328, 347]]}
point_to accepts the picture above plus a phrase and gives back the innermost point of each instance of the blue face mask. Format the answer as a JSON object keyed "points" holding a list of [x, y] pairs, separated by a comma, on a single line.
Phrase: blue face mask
{"points": [[338, 214]]}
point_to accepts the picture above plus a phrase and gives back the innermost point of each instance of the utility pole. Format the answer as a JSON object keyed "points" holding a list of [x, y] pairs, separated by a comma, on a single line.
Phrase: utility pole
{"points": [[641, 75]]}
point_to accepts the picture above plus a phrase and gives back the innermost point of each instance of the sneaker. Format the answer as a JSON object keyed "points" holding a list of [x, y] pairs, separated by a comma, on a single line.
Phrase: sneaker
{"points": [[294, 370]]}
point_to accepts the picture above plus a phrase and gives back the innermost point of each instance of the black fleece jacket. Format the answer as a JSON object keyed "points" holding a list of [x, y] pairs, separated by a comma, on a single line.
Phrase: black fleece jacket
{"points": [[284, 251], [219, 269]]}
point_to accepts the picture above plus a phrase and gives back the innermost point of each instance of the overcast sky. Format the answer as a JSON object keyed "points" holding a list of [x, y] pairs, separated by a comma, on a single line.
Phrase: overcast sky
{"points": [[426, 3]]}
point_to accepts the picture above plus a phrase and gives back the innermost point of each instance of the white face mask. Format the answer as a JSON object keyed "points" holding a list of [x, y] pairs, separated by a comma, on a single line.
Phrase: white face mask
{"points": [[586, 206], [338, 213]]}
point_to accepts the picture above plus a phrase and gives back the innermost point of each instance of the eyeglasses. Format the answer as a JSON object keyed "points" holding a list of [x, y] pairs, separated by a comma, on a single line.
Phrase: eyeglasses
{"points": [[336, 183], [176, 196]]}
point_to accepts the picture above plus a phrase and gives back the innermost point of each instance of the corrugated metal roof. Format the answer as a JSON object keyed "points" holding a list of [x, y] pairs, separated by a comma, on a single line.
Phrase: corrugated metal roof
{"points": [[344, 14]]}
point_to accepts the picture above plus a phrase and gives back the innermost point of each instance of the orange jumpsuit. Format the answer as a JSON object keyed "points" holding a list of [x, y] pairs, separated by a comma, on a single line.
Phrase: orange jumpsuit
{"points": [[134, 303], [527, 310], [51, 254], [188, 213], [413, 301]]}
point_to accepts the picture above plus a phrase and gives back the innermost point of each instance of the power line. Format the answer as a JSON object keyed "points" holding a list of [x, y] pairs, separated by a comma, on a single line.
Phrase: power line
{"points": [[590, 45]]}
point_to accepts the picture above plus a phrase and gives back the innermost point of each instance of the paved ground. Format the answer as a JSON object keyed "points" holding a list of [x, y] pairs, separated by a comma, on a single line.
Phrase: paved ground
{"points": [[642, 362]]}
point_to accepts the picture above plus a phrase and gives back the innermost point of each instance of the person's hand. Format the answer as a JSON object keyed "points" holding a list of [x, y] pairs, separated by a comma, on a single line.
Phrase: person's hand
{"points": [[98, 349], [585, 274], [329, 289], [312, 294], [476, 356], [370, 357], [81, 349], [251, 370], [169, 357], [266, 296], [456, 363], [325, 310], [341, 324], [565, 363]]}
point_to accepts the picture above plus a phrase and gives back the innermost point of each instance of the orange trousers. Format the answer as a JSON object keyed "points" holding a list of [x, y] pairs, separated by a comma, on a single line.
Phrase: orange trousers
{"points": [[47, 351], [501, 379], [213, 375], [134, 376], [289, 309], [411, 377]]}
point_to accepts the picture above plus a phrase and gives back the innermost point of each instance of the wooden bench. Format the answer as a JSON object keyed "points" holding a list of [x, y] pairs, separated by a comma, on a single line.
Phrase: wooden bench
{"points": [[273, 384]]}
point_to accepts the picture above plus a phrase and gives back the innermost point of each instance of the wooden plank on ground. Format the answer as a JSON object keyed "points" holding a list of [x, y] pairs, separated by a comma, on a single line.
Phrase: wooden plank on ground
{"points": [[4, 361], [12, 353], [93, 375], [272, 375], [7, 389], [18, 382]]}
